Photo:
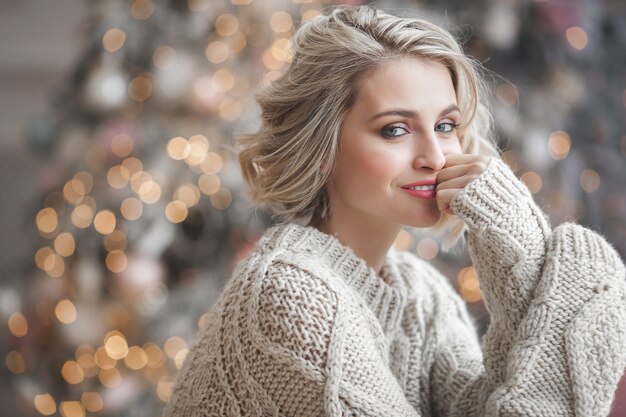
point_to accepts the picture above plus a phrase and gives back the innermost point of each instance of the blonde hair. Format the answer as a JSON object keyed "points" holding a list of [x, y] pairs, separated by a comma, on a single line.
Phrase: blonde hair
{"points": [[289, 160]]}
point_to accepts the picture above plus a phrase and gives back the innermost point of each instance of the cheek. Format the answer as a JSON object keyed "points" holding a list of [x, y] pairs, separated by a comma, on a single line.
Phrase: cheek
{"points": [[364, 170]]}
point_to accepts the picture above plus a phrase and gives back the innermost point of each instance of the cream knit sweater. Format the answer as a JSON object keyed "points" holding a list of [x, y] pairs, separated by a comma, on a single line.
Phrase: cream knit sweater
{"points": [[305, 328]]}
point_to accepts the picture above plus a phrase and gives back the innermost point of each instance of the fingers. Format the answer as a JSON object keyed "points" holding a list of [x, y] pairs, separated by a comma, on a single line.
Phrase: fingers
{"points": [[458, 171], [444, 197]]}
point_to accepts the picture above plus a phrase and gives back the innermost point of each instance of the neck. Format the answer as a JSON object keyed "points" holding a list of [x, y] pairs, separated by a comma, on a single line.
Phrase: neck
{"points": [[370, 241]]}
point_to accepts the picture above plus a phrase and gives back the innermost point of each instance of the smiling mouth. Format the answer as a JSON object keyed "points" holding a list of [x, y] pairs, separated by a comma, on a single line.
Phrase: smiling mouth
{"points": [[425, 191], [421, 187]]}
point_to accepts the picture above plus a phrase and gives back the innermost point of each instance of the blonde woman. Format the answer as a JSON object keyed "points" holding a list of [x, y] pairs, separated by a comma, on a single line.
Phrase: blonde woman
{"points": [[379, 123]]}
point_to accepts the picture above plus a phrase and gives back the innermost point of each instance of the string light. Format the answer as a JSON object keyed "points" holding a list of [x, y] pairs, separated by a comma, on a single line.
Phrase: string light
{"points": [[18, 325], [113, 39], [164, 388], [427, 248], [64, 244], [54, 265], [178, 148], [281, 21], [559, 145], [142, 9], [209, 184], [92, 401], [104, 222], [133, 165], [45, 404], [82, 216], [164, 57], [115, 345], [136, 358], [131, 208], [532, 180], [212, 164], [577, 37], [176, 211], [72, 372], [468, 285], [122, 145], [226, 24], [15, 362], [110, 378], [221, 199], [173, 345], [47, 220], [103, 360], [115, 240], [65, 311], [71, 409], [149, 192], [116, 261], [140, 88], [217, 52], [589, 180], [155, 355]]}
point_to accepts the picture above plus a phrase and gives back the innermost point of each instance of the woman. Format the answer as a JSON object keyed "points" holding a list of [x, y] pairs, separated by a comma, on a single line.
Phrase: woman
{"points": [[378, 123]]}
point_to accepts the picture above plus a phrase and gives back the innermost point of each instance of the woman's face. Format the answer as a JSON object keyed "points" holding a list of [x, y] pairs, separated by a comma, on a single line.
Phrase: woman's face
{"points": [[398, 133]]}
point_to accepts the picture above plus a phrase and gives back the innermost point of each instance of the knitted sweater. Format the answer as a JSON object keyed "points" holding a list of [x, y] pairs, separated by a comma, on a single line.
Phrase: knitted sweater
{"points": [[305, 328]]}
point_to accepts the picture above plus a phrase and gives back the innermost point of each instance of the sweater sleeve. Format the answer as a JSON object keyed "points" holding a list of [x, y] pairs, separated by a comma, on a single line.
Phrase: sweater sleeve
{"points": [[556, 344], [311, 352]]}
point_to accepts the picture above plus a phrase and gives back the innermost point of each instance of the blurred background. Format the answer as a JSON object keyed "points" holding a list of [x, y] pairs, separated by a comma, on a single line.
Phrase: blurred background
{"points": [[122, 210]]}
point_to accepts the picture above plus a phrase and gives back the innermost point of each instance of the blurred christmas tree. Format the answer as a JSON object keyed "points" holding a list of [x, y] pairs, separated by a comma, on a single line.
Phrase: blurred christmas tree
{"points": [[142, 216]]}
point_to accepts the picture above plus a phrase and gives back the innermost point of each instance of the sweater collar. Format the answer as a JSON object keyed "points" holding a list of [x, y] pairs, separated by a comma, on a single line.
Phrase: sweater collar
{"points": [[384, 294]]}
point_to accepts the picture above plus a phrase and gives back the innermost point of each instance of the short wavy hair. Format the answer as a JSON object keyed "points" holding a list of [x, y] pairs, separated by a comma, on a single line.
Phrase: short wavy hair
{"points": [[288, 162]]}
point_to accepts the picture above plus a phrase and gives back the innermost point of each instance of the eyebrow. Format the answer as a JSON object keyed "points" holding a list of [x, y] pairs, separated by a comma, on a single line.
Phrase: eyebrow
{"points": [[412, 114]]}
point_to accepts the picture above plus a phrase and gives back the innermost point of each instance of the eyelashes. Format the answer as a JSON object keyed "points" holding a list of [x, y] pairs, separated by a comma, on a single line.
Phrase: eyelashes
{"points": [[385, 132]]}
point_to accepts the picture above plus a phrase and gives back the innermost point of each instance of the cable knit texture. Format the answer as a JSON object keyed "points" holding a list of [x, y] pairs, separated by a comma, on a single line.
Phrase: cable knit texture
{"points": [[305, 328]]}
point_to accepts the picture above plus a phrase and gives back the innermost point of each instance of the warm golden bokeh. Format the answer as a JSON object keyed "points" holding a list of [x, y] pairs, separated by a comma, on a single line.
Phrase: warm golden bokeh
{"points": [[221, 199], [468, 285], [45, 404], [92, 401], [18, 325], [589, 180], [113, 39], [15, 362], [65, 311], [136, 358], [131, 208], [116, 261], [104, 222], [427, 248], [559, 145], [47, 220], [72, 372], [176, 211], [209, 184], [122, 145], [64, 244], [577, 37], [71, 409], [532, 180]]}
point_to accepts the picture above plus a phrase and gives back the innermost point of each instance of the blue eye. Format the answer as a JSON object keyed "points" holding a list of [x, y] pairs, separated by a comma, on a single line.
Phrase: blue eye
{"points": [[449, 127], [385, 131]]}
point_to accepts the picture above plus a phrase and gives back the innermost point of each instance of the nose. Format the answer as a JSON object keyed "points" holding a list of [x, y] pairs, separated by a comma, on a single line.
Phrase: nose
{"points": [[428, 153]]}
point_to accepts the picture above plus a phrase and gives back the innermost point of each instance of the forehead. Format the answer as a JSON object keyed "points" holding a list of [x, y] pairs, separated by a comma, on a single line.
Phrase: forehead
{"points": [[405, 81]]}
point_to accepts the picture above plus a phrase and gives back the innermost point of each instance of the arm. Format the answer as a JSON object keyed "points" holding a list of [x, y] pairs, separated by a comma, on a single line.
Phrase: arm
{"points": [[312, 352], [557, 340]]}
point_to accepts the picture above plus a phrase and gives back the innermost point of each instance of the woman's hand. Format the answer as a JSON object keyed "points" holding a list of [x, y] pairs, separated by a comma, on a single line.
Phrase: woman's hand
{"points": [[459, 170]]}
